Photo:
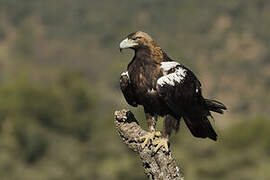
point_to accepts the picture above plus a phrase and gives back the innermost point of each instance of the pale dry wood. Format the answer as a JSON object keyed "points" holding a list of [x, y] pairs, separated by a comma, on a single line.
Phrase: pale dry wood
{"points": [[158, 166]]}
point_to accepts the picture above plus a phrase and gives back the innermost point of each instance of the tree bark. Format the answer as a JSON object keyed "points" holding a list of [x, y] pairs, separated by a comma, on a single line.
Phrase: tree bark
{"points": [[160, 165]]}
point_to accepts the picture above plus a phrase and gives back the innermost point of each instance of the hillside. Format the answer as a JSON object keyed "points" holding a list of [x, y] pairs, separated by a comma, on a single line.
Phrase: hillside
{"points": [[59, 73]]}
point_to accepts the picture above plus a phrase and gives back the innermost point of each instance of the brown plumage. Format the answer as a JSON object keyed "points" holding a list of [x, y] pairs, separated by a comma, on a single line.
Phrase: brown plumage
{"points": [[165, 88]]}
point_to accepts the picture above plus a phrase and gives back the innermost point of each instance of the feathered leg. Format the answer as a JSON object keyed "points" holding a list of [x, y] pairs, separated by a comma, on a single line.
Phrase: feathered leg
{"points": [[169, 124], [151, 122]]}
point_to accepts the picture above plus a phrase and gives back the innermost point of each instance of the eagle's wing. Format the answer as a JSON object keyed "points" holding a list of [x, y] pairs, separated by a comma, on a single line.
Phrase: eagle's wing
{"points": [[127, 89], [178, 86], [181, 91]]}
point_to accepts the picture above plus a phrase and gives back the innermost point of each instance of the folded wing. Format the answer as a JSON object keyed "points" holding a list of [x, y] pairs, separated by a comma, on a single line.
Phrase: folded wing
{"points": [[181, 91], [127, 89]]}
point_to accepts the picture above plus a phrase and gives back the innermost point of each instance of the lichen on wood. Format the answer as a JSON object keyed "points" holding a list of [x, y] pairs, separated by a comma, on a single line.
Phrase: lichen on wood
{"points": [[157, 166]]}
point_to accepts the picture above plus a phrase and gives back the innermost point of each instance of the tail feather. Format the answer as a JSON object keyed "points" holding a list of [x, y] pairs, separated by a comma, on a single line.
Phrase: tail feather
{"points": [[200, 127], [215, 106]]}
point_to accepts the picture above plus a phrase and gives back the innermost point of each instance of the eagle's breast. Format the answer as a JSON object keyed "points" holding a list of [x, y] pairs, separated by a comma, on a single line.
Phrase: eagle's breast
{"points": [[143, 77]]}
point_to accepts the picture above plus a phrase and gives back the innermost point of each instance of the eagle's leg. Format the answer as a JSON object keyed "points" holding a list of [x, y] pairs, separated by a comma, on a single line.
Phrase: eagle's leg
{"points": [[169, 124], [151, 122], [164, 141]]}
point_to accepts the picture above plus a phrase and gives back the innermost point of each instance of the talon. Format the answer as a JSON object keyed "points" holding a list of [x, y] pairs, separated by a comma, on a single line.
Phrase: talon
{"points": [[161, 142], [148, 137]]}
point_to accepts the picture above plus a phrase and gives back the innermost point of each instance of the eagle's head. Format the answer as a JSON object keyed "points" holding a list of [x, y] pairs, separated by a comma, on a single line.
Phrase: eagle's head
{"points": [[137, 40]]}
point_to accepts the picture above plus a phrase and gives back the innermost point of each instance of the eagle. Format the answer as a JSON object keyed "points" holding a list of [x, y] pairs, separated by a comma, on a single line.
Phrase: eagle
{"points": [[165, 88]]}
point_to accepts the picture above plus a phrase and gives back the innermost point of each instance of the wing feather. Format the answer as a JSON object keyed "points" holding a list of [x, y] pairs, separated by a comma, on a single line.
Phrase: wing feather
{"points": [[181, 91], [127, 89], [172, 86]]}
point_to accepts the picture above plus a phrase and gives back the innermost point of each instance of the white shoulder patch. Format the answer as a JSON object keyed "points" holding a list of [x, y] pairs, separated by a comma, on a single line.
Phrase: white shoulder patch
{"points": [[125, 74], [166, 66], [176, 77]]}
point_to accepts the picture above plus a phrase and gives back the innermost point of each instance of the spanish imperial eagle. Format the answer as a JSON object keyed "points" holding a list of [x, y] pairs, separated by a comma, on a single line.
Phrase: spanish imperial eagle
{"points": [[165, 88]]}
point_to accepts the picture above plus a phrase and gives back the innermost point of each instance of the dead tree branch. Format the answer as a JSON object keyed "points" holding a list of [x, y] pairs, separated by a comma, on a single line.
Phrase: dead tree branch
{"points": [[156, 166]]}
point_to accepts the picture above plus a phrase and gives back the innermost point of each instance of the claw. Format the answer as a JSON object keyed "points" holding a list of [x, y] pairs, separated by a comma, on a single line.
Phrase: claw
{"points": [[148, 137], [161, 142]]}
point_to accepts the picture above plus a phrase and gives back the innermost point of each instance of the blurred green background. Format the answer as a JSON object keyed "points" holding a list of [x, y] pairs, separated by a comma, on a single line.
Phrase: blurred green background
{"points": [[59, 73]]}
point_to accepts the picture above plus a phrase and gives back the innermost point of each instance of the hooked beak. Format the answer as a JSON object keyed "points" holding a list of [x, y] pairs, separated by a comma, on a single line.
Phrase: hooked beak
{"points": [[127, 43]]}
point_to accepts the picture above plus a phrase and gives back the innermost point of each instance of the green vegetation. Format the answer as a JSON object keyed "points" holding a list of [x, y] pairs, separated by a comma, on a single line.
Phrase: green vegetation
{"points": [[59, 75]]}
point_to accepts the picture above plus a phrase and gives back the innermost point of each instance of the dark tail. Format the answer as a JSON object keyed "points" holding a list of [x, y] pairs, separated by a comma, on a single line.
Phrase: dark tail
{"points": [[215, 106], [200, 127]]}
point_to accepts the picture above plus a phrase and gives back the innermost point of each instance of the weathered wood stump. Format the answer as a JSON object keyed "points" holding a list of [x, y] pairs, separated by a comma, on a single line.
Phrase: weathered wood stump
{"points": [[157, 166]]}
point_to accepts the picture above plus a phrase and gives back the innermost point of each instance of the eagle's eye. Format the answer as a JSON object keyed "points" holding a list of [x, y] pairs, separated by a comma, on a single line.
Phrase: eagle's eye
{"points": [[136, 38]]}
